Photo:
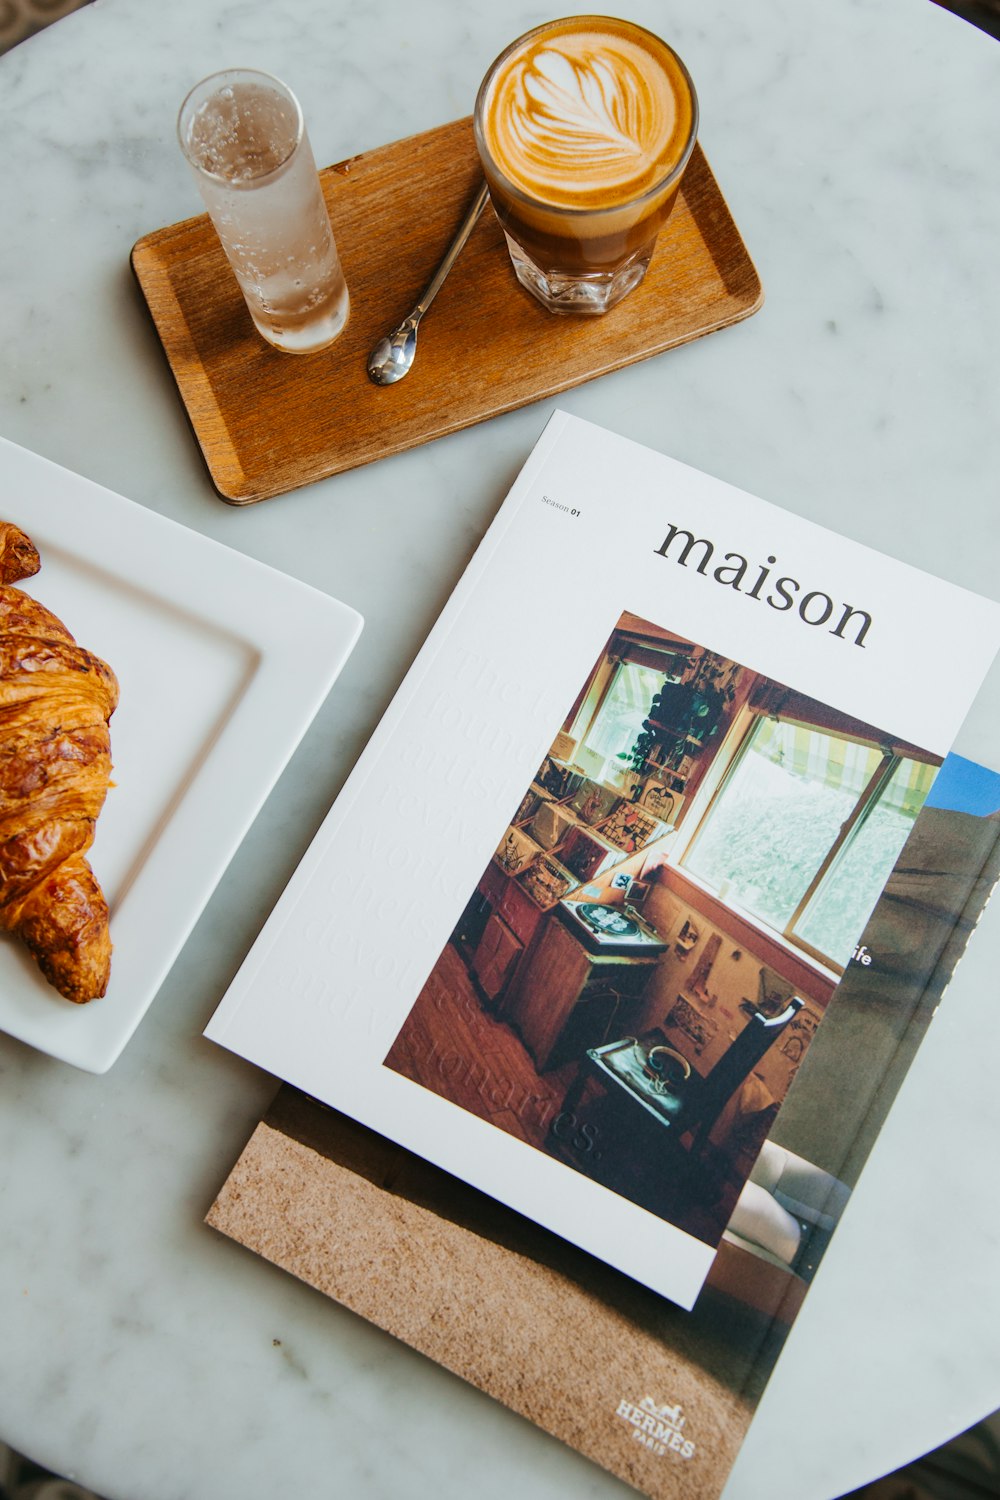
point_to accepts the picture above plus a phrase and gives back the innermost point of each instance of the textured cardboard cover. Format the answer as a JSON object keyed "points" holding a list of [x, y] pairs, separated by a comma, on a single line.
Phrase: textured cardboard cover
{"points": [[537, 1324]]}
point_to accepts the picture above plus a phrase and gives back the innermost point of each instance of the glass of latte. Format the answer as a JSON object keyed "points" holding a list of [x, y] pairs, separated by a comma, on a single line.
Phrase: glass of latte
{"points": [[584, 127], [244, 137]]}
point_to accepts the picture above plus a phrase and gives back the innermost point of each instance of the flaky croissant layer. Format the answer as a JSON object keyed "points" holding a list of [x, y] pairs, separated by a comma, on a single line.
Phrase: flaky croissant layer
{"points": [[55, 765]]}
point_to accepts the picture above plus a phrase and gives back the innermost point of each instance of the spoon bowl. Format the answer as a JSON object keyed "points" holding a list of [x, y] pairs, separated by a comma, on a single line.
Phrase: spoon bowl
{"points": [[392, 356]]}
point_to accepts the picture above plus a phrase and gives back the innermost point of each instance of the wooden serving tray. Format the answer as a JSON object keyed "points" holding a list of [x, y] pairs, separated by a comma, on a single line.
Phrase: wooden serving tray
{"points": [[268, 422]]}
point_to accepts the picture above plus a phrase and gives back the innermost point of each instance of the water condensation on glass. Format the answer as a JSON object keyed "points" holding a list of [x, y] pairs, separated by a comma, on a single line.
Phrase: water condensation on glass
{"points": [[257, 176]]}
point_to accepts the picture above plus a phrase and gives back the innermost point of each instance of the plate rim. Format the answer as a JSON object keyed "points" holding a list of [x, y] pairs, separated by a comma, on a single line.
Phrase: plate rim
{"points": [[318, 635]]}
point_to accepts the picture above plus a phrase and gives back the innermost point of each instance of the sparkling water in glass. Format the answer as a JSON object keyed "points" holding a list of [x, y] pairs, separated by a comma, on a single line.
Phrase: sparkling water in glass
{"points": [[243, 134]]}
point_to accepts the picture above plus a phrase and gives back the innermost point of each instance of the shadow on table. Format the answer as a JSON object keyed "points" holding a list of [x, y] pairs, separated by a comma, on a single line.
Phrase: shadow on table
{"points": [[20, 19], [982, 13], [968, 1468]]}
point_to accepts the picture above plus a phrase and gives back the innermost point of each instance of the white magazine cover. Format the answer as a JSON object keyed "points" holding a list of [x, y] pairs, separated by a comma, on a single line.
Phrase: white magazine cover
{"points": [[570, 927]]}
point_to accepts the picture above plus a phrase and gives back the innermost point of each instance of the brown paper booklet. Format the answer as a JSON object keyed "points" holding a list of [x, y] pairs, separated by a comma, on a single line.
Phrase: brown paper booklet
{"points": [[660, 1396]]}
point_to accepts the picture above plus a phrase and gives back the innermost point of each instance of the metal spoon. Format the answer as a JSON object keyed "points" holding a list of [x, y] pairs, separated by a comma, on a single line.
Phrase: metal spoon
{"points": [[393, 355]]}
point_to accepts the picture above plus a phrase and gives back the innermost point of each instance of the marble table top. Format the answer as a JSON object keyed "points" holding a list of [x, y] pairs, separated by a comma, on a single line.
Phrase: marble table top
{"points": [[856, 144]]}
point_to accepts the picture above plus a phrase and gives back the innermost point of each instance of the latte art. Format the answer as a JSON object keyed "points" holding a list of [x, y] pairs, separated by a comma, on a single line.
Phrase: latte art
{"points": [[587, 114], [584, 128]]}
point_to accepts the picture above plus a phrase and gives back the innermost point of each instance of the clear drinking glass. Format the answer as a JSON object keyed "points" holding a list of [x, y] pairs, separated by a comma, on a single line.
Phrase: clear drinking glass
{"points": [[244, 137], [584, 127]]}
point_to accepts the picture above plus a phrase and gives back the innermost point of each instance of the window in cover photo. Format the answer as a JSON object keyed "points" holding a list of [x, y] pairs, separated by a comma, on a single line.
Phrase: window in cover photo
{"points": [[641, 967], [806, 828]]}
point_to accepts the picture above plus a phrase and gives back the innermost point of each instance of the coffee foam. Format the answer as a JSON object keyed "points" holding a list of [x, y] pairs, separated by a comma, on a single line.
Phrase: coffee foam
{"points": [[581, 117]]}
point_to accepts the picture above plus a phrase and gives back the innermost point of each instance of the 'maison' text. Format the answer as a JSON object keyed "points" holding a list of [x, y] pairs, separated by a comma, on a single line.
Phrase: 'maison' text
{"points": [[812, 606]]}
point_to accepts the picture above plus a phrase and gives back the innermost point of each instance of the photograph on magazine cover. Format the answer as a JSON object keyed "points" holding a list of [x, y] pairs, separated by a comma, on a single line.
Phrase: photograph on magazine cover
{"points": [[639, 972]]}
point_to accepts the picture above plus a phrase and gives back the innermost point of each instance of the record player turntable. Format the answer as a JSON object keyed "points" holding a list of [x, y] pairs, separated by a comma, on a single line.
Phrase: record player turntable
{"points": [[610, 929]]}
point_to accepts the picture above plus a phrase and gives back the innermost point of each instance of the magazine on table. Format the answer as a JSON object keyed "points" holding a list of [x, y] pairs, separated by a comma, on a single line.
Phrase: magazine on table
{"points": [[661, 1397], [606, 866]]}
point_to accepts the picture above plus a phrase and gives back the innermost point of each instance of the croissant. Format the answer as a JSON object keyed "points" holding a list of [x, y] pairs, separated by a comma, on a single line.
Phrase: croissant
{"points": [[55, 766]]}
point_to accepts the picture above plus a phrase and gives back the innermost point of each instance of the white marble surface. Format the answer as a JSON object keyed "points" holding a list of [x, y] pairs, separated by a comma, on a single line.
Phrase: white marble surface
{"points": [[856, 142]]}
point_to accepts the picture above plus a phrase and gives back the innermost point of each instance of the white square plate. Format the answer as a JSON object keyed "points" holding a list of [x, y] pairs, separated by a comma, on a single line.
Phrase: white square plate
{"points": [[222, 663]]}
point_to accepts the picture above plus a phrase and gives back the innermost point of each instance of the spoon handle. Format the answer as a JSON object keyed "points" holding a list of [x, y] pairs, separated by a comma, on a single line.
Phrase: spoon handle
{"points": [[454, 250]]}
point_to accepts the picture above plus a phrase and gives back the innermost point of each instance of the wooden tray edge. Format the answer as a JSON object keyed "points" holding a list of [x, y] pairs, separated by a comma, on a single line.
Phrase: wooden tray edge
{"points": [[188, 373]]}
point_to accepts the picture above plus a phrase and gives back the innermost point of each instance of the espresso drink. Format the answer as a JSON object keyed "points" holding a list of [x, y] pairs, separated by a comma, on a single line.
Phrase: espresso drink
{"points": [[584, 127]]}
